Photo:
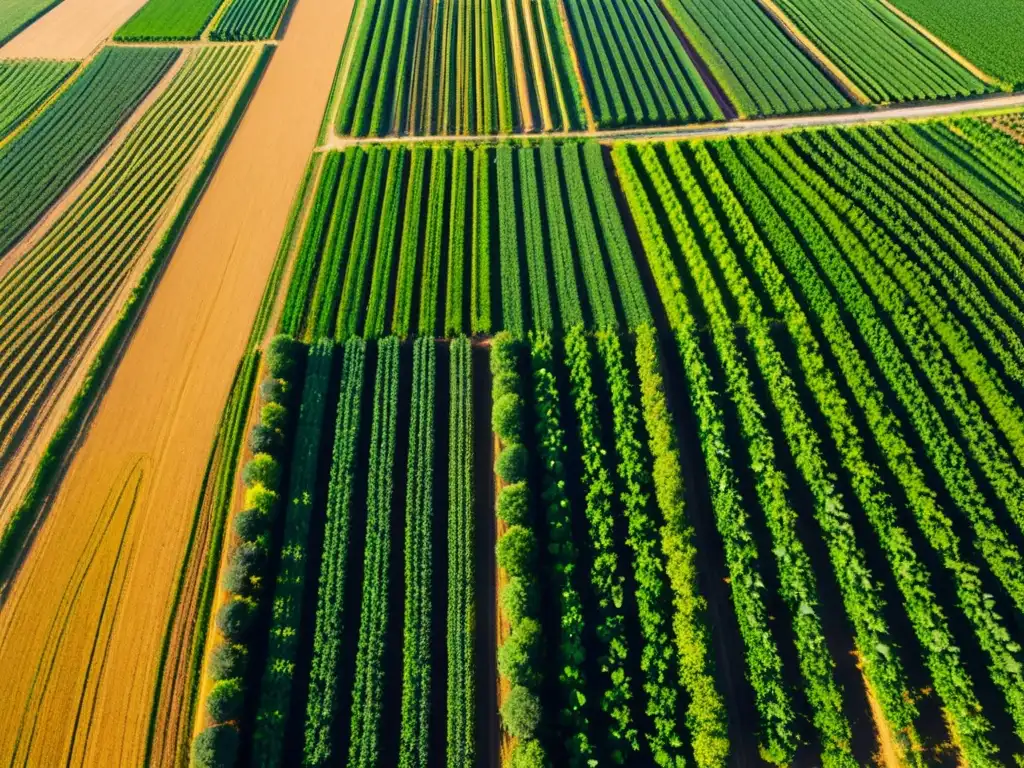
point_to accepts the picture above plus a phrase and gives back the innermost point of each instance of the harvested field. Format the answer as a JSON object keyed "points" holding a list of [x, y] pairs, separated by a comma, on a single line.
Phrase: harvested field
{"points": [[161, 409]]}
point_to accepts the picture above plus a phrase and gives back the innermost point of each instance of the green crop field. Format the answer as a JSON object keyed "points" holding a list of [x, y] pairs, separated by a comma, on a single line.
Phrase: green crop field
{"points": [[426, 67], [169, 20], [659, 83], [55, 298], [41, 161], [24, 85], [514, 384], [760, 69], [986, 33], [249, 20], [15, 15], [453, 253], [884, 56]]}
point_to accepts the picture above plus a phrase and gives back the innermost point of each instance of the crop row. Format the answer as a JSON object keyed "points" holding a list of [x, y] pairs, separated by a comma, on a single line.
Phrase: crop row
{"points": [[39, 163], [365, 730], [440, 259], [634, 44], [24, 85], [244, 582], [249, 20], [322, 701], [862, 247], [414, 748], [427, 67], [757, 65], [883, 55], [58, 296], [290, 578], [461, 631], [561, 556], [518, 552]]}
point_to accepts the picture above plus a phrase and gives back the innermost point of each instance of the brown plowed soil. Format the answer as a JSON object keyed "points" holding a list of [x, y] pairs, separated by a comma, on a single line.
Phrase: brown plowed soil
{"points": [[160, 413], [72, 30]]}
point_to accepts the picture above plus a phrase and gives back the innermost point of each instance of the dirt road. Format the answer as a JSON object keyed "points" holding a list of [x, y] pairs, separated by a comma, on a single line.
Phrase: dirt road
{"points": [[741, 127], [82, 622]]}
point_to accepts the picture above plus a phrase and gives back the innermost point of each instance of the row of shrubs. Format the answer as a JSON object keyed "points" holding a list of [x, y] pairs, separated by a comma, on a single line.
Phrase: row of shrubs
{"points": [[244, 576], [518, 657]]}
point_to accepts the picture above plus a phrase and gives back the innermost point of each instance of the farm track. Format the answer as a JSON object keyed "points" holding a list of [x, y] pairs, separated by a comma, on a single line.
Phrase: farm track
{"points": [[963, 107], [162, 404]]}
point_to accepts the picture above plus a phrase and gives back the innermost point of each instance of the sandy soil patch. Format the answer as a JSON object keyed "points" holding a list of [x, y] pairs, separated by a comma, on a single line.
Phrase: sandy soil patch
{"points": [[161, 408], [72, 30]]}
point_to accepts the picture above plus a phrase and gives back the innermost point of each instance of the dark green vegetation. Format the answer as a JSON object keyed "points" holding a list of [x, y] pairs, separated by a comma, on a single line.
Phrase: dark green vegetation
{"points": [[249, 20], [635, 67], [169, 20], [86, 248], [452, 251], [883, 55], [39, 163], [891, 379], [987, 33], [330, 684], [24, 85], [759, 68]]}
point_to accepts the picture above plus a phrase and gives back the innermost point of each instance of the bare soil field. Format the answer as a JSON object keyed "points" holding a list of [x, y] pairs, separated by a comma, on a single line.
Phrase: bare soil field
{"points": [[72, 693], [72, 30]]}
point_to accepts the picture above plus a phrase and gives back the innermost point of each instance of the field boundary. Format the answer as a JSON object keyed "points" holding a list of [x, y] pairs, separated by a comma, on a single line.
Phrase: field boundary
{"points": [[976, 107], [818, 56], [937, 41], [54, 460]]}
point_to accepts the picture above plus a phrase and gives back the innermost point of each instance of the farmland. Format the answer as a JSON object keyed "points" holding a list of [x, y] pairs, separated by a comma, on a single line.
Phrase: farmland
{"points": [[769, 77], [42, 160], [15, 16], [885, 57], [659, 82], [24, 85], [479, 67], [985, 38], [510, 384]]}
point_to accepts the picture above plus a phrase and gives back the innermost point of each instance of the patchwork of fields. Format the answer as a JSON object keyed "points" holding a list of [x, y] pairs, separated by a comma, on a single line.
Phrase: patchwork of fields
{"points": [[538, 431]]}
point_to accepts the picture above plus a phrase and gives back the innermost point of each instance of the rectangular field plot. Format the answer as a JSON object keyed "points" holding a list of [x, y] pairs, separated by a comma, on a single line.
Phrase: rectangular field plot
{"points": [[987, 32], [24, 85], [635, 67], [169, 20], [853, 298], [883, 55], [41, 161], [463, 240], [58, 300], [752, 438], [757, 65], [249, 20], [426, 67], [15, 15]]}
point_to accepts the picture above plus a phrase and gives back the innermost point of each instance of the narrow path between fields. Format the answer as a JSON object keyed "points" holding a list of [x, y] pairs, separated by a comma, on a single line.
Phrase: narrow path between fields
{"points": [[991, 102]]}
